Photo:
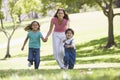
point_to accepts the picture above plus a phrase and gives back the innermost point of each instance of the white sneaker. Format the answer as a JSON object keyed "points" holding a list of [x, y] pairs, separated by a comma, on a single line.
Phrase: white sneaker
{"points": [[29, 64], [65, 68]]}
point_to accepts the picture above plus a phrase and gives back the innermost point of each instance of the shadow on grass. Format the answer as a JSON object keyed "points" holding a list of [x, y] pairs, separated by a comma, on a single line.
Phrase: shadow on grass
{"points": [[93, 48], [96, 47]]}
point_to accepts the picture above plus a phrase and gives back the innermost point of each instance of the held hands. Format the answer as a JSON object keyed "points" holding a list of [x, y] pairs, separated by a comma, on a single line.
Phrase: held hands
{"points": [[22, 48], [45, 39]]}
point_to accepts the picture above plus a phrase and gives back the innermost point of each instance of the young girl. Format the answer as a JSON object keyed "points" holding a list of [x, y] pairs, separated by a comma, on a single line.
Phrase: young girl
{"points": [[70, 50], [60, 22], [34, 43]]}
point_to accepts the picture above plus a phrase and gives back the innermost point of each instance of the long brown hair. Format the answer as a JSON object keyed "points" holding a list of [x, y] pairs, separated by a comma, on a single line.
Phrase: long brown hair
{"points": [[65, 14], [29, 27]]}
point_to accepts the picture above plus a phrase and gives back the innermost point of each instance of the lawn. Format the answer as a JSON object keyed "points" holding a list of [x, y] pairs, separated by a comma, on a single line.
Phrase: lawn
{"points": [[57, 74]]}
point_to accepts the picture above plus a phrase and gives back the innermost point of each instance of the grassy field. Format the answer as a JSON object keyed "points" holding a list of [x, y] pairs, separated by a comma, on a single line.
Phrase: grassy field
{"points": [[90, 36], [57, 74]]}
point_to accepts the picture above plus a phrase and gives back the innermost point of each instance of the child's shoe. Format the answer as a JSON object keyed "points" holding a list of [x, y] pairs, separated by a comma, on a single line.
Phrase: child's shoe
{"points": [[65, 68], [30, 64]]}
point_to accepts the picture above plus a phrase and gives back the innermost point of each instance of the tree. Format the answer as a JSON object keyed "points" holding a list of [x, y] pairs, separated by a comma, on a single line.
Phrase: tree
{"points": [[71, 6], [14, 27], [1, 15], [19, 9], [33, 6], [107, 8], [117, 3]]}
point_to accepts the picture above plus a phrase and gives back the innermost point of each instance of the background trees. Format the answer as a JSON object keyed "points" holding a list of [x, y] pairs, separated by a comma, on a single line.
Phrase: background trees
{"points": [[37, 7], [107, 7]]}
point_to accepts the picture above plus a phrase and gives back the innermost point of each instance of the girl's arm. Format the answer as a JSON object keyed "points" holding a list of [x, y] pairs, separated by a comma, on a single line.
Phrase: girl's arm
{"points": [[50, 30], [24, 43]]}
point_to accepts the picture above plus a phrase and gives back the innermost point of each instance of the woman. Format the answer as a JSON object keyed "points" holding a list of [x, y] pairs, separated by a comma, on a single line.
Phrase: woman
{"points": [[59, 23]]}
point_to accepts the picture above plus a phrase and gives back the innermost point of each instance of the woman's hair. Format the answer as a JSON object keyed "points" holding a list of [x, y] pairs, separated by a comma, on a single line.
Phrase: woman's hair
{"points": [[29, 27], [65, 14], [69, 29]]}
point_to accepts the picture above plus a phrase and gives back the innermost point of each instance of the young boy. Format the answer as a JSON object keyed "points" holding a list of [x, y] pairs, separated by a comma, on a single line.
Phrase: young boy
{"points": [[70, 50]]}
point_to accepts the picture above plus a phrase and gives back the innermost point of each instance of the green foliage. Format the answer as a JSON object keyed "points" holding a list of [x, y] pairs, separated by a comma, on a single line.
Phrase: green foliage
{"points": [[1, 15], [31, 5], [71, 6]]}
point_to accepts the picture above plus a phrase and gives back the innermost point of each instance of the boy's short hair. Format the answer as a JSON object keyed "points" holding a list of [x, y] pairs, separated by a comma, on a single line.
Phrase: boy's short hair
{"points": [[69, 29]]}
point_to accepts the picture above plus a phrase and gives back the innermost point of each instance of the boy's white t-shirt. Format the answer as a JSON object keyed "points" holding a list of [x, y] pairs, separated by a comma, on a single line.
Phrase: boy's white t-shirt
{"points": [[67, 41]]}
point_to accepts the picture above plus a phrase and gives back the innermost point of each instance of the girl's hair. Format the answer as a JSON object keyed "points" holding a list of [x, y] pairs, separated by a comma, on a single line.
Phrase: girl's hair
{"points": [[29, 27], [69, 29], [65, 14]]}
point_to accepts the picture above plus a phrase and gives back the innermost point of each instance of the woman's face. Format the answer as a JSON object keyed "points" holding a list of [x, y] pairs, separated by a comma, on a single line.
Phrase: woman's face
{"points": [[60, 14]]}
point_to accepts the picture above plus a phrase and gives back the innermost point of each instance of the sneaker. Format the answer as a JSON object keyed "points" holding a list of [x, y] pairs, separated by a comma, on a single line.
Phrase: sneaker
{"points": [[65, 67], [29, 64]]}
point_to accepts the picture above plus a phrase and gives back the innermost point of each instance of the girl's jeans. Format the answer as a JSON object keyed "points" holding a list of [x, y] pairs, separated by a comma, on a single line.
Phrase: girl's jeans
{"points": [[34, 56]]}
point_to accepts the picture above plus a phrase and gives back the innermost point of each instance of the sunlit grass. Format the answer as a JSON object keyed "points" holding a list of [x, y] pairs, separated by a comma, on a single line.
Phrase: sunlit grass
{"points": [[82, 74]]}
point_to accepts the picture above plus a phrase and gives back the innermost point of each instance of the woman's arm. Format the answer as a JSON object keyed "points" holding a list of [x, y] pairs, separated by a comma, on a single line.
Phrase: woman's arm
{"points": [[68, 24], [24, 43], [50, 30]]}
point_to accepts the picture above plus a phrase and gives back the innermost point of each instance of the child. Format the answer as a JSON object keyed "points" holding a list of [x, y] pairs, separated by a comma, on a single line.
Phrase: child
{"points": [[34, 43], [70, 50]]}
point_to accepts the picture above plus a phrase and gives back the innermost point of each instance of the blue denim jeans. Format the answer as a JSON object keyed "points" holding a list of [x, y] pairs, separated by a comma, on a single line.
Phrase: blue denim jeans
{"points": [[34, 56]]}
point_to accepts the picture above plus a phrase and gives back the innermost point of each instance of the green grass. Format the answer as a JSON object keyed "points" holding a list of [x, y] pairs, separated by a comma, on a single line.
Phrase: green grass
{"points": [[57, 74]]}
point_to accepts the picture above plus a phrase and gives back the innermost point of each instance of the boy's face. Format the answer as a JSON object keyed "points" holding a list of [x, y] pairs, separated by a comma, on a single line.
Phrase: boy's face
{"points": [[69, 35]]}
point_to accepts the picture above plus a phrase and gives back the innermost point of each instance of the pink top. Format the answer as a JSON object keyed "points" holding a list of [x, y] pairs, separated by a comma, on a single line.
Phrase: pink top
{"points": [[59, 27]]}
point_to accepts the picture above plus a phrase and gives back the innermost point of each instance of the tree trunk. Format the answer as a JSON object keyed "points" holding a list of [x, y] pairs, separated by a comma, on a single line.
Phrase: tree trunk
{"points": [[111, 41], [1, 23], [8, 49], [19, 19]]}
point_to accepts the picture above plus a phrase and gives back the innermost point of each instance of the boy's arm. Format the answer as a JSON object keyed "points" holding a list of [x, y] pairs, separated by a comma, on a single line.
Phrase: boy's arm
{"points": [[24, 43], [72, 45], [69, 46]]}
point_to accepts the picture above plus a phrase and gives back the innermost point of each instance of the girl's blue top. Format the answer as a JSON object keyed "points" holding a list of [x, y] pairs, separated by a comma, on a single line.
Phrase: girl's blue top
{"points": [[34, 39]]}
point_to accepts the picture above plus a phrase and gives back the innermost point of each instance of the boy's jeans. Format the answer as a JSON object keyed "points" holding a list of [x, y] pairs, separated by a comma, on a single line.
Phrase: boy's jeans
{"points": [[34, 55]]}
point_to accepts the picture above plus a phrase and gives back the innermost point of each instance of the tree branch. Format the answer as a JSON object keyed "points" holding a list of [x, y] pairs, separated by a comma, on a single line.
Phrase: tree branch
{"points": [[103, 8], [106, 4], [4, 32], [117, 14]]}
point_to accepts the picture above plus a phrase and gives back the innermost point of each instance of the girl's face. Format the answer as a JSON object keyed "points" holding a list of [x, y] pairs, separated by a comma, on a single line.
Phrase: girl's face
{"points": [[35, 26], [69, 34], [60, 14]]}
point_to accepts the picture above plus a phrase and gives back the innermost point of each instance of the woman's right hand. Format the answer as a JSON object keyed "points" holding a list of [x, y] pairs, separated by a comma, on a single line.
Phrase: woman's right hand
{"points": [[22, 48]]}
